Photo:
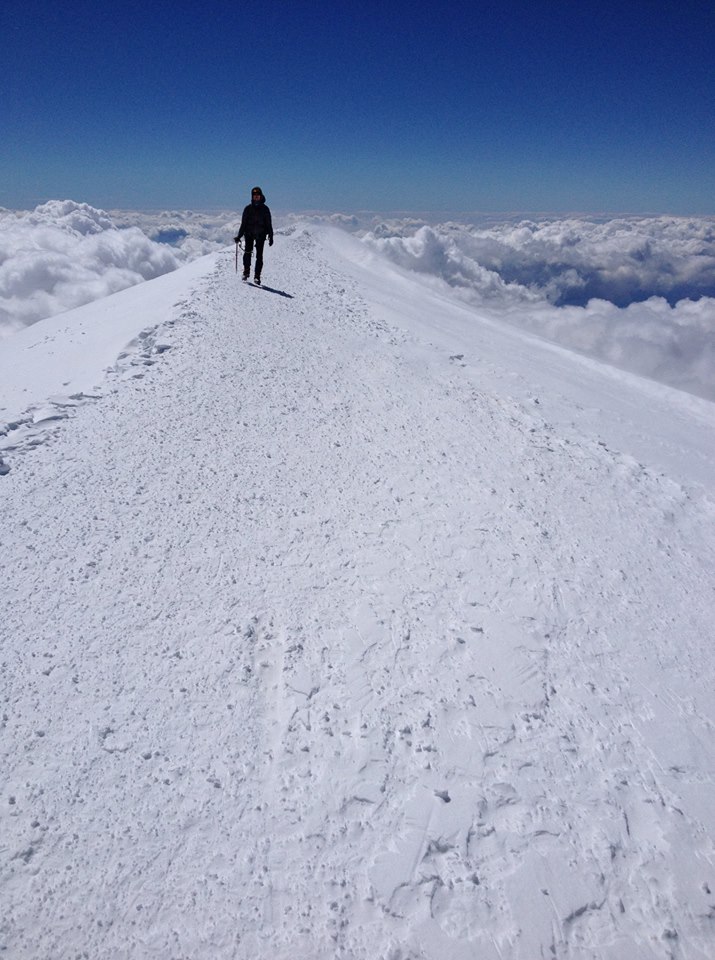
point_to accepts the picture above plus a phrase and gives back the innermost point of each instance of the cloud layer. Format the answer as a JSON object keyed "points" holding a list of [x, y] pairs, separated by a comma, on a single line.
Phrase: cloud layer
{"points": [[64, 254], [192, 233], [637, 293]]}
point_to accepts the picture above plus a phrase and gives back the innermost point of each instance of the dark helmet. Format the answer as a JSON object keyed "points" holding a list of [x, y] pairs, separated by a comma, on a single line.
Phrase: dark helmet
{"points": [[257, 190]]}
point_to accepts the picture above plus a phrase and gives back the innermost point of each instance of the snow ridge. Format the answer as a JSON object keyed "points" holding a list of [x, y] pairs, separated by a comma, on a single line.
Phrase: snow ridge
{"points": [[317, 645]]}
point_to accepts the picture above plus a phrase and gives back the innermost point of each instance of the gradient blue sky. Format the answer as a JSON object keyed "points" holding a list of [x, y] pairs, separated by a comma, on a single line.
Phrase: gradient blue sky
{"points": [[467, 106]]}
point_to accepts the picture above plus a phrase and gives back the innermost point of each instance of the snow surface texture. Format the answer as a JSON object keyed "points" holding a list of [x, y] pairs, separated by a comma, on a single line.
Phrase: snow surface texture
{"points": [[51, 367], [356, 626]]}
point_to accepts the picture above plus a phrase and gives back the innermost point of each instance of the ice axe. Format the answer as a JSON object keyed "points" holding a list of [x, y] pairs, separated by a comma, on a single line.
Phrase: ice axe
{"points": [[238, 244]]}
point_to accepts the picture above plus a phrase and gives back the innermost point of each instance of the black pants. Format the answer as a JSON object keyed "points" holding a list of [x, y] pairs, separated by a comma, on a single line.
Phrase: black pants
{"points": [[248, 250]]}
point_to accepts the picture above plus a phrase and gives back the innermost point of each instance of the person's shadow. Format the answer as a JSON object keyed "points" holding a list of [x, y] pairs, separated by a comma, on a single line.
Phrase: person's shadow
{"points": [[281, 293]]}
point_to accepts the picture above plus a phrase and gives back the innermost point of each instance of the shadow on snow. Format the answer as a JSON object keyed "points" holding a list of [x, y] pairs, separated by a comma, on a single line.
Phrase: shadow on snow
{"points": [[281, 293]]}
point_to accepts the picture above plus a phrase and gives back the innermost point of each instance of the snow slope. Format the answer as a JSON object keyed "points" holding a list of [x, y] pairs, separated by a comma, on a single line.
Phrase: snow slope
{"points": [[357, 626], [54, 365]]}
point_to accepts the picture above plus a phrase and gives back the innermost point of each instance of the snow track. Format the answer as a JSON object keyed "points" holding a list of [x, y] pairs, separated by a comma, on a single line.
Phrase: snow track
{"points": [[314, 648]]}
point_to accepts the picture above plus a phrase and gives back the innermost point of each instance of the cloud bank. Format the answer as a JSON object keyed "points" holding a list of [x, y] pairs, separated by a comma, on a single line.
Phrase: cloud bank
{"points": [[64, 254], [637, 293], [192, 233]]}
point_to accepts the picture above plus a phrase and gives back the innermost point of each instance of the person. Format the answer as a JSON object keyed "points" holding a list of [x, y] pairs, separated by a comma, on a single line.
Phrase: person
{"points": [[256, 227]]}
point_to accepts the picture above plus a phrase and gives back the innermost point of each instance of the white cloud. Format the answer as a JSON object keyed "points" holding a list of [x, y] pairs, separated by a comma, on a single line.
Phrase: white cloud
{"points": [[345, 221], [671, 344], [192, 234], [64, 254], [637, 293]]}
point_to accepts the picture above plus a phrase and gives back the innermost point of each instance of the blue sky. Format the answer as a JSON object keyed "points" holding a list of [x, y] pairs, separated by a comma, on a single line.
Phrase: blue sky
{"points": [[495, 107]]}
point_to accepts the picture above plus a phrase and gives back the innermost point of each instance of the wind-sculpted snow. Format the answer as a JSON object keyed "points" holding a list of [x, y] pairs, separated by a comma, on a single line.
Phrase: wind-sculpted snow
{"points": [[637, 293], [356, 627]]}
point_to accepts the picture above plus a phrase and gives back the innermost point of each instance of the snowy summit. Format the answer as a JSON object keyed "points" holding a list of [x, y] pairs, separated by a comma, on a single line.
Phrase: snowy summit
{"points": [[342, 621]]}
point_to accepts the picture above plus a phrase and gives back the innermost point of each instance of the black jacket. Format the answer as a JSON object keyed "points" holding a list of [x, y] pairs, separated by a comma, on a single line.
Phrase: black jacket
{"points": [[256, 221]]}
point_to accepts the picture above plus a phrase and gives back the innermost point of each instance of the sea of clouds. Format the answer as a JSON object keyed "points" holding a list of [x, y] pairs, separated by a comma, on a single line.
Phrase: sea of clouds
{"points": [[64, 254], [636, 292]]}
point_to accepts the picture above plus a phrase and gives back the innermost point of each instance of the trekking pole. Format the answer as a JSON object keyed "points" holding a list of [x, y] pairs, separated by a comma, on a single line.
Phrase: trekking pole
{"points": [[238, 244]]}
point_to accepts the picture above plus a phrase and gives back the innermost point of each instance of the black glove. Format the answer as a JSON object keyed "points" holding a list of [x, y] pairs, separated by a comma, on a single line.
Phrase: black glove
{"points": [[237, 239], [270, 241]]}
